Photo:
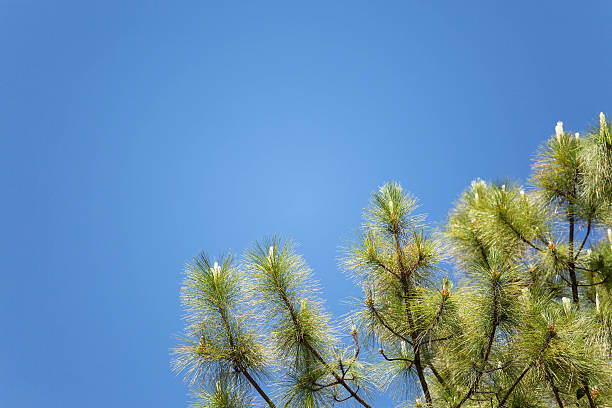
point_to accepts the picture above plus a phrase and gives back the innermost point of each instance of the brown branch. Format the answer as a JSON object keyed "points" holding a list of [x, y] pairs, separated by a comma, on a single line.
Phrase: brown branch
{"points": [[585, 238], [382, 265], [519, 235], [582, 268], [554, 388], [331, 370], [589, 396], [344, 399], [237, 361], [382, 352], [257, 387], [549, 335], [320, 387], [482, 249], [357, 348], [431, 325], [440, 339], [336, 376], [406, 289], [495, 317], [490, 370], [594, 284], [290, 399], [570, 250], [503, 401], [386, 325], [439, 377]]}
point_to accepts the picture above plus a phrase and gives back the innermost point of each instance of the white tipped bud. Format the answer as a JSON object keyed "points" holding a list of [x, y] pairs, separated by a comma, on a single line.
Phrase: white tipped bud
{"points": [[418, 403], [353, 330], [476, 197], [559, 131], [216, 269], [610, 234], [444, 292], [303, 304], [499, 364], [566, 303], [522, 193], [271, 252], [391, 206], [589, 252], [218, 386], [597, 302], [602, 119], [403, 347], [577, 135], [503, 187]]}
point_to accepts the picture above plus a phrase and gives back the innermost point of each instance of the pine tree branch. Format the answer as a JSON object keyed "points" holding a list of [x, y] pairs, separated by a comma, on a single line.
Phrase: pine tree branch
{"points": [[380, 264], [554, 388], [357, 349], [331, 370], [405, 287], [490, 370], [237, 361], [594, 284], [589, 397], [495, 318], [584, 284], [339, 379], [516, 382], [386, 325], [586, 236], [481, 247], [432, 324], [257, 387], [344, 399], [549, 335], [439, 377], [382, 352], [519, 235], [331, 384], [290, 399], [570, 250]]}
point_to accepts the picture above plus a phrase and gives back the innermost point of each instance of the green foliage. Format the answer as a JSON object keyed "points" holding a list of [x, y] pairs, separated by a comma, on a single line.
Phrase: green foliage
{"points": [[282, 288], [218, 343], [507, 305], [596, 155], [223, 395]]}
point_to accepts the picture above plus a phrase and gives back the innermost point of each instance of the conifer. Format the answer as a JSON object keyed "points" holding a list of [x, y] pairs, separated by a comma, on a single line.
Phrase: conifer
{"points": [[506, 305]]}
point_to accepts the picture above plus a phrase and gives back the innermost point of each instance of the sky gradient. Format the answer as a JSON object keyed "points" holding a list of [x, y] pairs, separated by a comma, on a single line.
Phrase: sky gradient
{"points": [[135, 135]]}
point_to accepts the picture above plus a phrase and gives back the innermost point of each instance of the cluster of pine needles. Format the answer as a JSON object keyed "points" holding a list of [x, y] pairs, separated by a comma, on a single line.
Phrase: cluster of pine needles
{"points": [[506, 305]]}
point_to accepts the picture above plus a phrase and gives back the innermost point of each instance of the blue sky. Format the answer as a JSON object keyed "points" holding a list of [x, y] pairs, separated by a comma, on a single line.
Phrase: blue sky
{"points": [[134, 136]]}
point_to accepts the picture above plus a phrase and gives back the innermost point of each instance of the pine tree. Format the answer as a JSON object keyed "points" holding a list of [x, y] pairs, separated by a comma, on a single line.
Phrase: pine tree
{"points": [[507, 305]]}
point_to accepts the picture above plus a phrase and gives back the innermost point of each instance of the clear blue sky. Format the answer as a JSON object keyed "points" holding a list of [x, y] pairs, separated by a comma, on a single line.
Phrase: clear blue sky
{"points": [[135, 135]]}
